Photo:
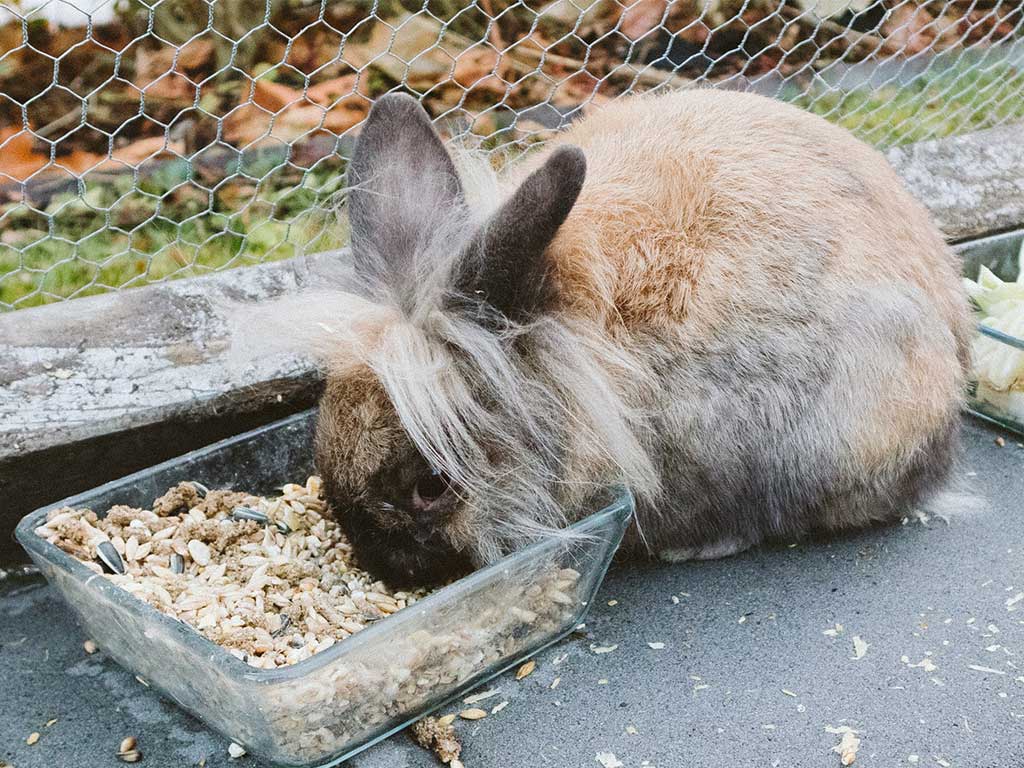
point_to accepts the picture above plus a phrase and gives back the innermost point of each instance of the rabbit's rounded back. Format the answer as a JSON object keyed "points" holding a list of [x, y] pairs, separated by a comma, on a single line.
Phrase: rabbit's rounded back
{"points": [[727, 303]]}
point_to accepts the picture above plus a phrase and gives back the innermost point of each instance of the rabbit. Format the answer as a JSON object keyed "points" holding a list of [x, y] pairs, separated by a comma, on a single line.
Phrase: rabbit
{"points": [[725, 303]]}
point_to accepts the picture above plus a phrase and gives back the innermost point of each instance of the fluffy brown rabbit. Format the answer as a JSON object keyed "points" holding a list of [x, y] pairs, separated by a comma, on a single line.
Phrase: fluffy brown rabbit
{"points": [[723, 302]]}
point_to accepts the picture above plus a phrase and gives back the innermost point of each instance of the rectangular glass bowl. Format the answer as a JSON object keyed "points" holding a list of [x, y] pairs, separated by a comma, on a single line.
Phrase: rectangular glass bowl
{"points": [[327, 708], [999, 253]]}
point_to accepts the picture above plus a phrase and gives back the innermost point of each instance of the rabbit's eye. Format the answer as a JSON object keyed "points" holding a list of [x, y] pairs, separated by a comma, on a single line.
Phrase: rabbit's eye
{"points": [[431, 486]]}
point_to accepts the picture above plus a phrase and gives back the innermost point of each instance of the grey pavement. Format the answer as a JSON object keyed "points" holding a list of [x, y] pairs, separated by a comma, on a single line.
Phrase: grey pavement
{"points": [[746, 677]]}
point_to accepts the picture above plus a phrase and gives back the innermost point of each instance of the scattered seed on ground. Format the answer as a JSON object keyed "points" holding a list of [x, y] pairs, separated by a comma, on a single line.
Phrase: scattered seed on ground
{"points": [[480, 696], [656, 646], [848, 744], [90, 647], [608, 760], [555, 682], [473, 713], [235, 750], [603, 648], [926, 664], [986, 670], [526, 669], [860, 647], [132, 755], [498, 707], [32, 738], [50, 722]]}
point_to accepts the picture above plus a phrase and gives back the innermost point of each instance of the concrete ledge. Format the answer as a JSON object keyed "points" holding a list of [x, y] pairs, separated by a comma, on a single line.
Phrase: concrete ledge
{"points": [[94, 388], [972, 184]]}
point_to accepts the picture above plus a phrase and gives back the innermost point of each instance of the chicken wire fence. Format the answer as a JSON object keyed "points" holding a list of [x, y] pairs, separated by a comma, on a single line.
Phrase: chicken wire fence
{"points": [[142, 141]]}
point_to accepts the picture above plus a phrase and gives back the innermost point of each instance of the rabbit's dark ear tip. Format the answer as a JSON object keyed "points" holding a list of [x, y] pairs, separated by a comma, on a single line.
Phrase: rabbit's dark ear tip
{"points": [[397, 103], [569, 158]]}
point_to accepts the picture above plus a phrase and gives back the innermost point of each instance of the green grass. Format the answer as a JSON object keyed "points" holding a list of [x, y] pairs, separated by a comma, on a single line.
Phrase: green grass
{"points": [[945, 102], [179, 223], [110, 235]]}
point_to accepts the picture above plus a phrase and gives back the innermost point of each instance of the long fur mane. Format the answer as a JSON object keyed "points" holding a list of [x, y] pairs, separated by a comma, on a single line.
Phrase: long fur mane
{"points": [[528, 420]]}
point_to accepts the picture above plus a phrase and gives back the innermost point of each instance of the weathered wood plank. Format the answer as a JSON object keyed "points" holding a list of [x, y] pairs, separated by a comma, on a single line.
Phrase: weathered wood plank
{"points": [[94, 388], [103, 364]]}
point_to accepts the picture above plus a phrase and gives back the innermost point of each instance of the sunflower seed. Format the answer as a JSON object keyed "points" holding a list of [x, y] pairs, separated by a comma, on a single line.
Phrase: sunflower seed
{"points": [[127, 744], [473, 713], [177, 563], [248, 513], [285, 623], [201, 489], [107, 555]]}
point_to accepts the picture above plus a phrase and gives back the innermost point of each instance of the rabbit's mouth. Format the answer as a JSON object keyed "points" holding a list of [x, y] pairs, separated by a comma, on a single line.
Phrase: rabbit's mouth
{"points": [[401, 547], [403, 559]]}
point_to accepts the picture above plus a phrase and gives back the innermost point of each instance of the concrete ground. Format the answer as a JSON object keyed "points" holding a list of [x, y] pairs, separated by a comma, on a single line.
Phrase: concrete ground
{"points": [[754, 671]]}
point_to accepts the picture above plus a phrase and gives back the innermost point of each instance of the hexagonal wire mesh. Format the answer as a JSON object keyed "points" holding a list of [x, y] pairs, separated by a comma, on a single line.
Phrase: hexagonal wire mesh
{"points": [[149, 140]]}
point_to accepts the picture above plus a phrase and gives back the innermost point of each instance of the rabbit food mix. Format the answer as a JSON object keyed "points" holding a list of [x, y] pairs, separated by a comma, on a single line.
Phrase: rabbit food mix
{"points": [[273, 581]]}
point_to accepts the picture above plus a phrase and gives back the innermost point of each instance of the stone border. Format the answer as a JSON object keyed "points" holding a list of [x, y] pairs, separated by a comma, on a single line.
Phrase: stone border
{"points": [[97, 387], [972, 184]]}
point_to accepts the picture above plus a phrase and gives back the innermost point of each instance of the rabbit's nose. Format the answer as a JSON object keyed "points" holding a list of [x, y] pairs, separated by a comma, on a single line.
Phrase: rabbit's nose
{"points": [[429, 489]]}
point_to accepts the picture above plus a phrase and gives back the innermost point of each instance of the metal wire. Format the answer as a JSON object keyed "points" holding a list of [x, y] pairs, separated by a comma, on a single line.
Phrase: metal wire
{"points": [[143, 141]]}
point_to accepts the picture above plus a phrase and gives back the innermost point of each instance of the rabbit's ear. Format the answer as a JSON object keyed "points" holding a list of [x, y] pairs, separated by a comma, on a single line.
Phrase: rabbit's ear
{"points": [[504, 271], [401, 180]]}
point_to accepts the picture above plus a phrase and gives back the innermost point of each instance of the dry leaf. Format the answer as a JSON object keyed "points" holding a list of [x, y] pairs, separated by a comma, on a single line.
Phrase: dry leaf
{"points": [[641, 17], [18, 157], [907, 27], [274, 97]]}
